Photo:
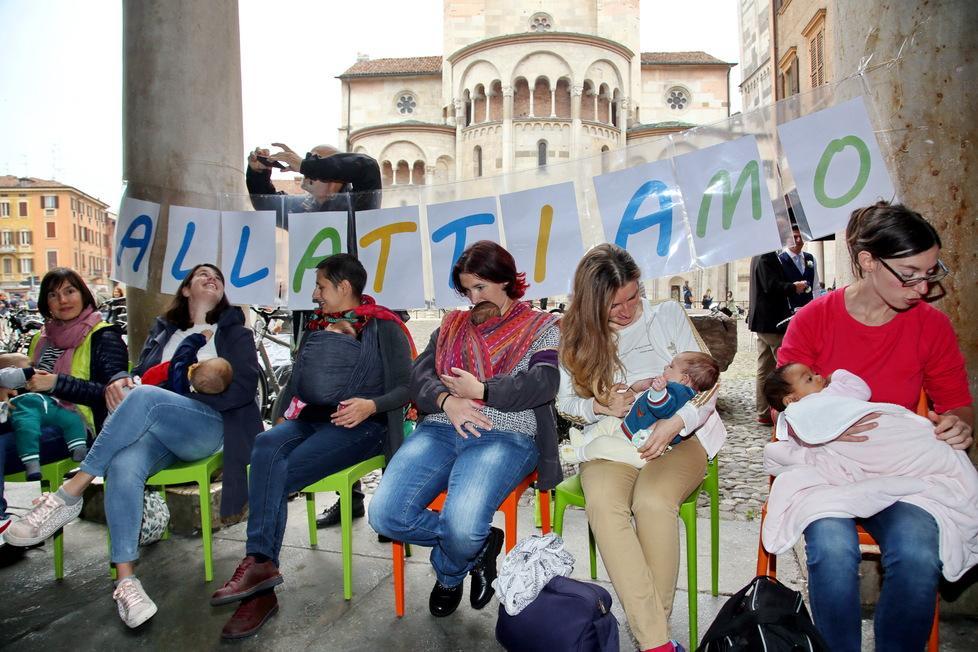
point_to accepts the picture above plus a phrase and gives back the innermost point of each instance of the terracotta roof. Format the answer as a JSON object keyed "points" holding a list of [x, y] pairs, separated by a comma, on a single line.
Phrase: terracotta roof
{"points": [[402, 66], [11, 181], [694, 58], [668, 124]]}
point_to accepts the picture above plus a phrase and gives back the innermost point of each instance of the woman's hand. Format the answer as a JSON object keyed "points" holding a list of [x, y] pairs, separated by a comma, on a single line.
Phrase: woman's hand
{"points": [[463, 384], [851, 433], [42, 381], [6, 393], [620, 403], [352, 412], [952, 429], [663, 432], [116, 391], [287, 156], [466, 416]]}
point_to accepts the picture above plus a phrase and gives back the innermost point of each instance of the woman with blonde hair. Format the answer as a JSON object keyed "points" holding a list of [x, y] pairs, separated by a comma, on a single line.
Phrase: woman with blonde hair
{"points": [[613, 342]]}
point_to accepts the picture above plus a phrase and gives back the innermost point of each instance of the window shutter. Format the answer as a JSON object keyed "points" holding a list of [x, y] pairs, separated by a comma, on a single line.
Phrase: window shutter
{"points": [[22, 209], [42, 201], [821, 64], [55, 201], [812, 56]]}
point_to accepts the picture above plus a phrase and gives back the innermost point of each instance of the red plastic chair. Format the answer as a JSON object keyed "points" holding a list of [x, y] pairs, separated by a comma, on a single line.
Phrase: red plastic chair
{"points": [[508, 508], [767, 564]]}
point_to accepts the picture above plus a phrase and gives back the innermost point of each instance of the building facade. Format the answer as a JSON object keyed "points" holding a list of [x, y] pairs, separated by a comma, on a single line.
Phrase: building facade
{"points": [[757, 70], [46, 224]]}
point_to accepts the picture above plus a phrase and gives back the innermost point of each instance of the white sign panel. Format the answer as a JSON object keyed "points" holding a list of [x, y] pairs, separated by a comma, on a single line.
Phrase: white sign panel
{"points": [[192, 237], [390, 250], [452, 226], [543, 234], [134, 235], [836, 163], [248, 256], [641, 212], [727, 204], [312, 237]]}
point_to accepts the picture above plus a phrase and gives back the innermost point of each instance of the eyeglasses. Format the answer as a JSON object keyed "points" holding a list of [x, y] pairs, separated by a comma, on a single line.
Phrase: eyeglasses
{"points": [[936, 277]]}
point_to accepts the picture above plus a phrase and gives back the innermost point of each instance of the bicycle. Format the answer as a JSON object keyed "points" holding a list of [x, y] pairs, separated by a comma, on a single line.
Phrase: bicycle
{"points": [[21, 326], [115, 312], [275, 377]]}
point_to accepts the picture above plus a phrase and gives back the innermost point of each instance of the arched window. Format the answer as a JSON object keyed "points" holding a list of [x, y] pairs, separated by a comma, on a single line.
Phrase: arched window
{"points": [[542, 153], [477, 160]]}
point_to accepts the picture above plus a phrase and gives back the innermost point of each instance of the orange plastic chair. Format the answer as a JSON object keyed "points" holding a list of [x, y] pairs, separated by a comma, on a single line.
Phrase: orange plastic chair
{"points": [[508, 508], [767, 564]]}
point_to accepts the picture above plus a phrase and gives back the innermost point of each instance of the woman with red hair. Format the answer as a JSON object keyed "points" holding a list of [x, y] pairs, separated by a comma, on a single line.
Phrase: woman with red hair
{"points": [[483, 432]]}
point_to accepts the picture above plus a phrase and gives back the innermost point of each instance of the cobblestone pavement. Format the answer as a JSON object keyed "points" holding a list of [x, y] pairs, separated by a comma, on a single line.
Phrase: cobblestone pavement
{"points": [[743, 484]]}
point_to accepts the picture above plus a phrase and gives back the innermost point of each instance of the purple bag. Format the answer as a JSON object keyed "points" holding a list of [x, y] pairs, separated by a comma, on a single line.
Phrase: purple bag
{"points": [[567, 615]]}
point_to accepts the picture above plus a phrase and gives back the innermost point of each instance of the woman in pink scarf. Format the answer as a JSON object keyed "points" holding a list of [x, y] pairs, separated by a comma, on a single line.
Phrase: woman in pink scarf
{"points": [[74, 357]]}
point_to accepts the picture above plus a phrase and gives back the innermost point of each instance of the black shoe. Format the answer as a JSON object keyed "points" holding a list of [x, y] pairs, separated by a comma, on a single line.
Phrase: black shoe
{"points": [[481, 591], [382, 539], [331, 515], [444, 600]]}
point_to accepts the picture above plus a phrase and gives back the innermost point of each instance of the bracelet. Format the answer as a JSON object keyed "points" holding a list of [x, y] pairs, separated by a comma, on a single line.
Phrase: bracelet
{"points": [[485, 392], [441, 406]]}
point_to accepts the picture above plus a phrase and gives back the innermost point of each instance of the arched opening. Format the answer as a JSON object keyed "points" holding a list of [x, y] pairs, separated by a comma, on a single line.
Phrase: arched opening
{"points": [[604, 104], [417, 174], [542, 153], [521, 98], [496, 101], [605, 163], [479, 104], [387, 174], [402, 175], [563, 98], [587, 101], [541, 105], [477, 161]]}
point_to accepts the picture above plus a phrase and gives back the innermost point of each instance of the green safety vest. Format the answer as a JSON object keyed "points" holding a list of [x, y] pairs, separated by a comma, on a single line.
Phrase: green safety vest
{"points": [[81, 366]]}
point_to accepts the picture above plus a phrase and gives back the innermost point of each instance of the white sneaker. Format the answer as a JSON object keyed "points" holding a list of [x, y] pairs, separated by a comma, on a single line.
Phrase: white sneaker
{"points": [[4, 524], [135, 607], [49, 515]]}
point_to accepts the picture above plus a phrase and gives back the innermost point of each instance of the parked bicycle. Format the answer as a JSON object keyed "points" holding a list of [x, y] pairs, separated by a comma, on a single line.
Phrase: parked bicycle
{"points": [[115, 312], [20, 327], [274, 376]]}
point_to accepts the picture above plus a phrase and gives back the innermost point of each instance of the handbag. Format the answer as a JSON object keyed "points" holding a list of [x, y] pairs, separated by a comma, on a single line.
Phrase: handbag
{"points": [[156, 516], [567, 615]]}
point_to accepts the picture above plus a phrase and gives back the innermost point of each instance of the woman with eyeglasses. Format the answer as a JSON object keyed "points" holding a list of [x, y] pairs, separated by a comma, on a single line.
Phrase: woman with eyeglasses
{"points": [[612, 342], [882, 328]]}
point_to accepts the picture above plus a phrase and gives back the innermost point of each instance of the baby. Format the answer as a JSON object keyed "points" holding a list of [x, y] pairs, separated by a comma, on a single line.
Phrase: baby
{"points": [[342, 326], [483, 312], [819, 475], [30, 412], [618, 439], [182, 373]]}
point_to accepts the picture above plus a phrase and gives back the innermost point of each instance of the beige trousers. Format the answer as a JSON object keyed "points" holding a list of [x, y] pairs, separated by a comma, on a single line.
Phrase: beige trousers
{"points": [[767, 359], [643, 558]]}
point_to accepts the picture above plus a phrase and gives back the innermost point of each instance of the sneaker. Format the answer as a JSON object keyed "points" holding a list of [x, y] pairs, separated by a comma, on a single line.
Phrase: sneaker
{"points": [[4, 524], [135, 607], [331, 515], [49, 515]]}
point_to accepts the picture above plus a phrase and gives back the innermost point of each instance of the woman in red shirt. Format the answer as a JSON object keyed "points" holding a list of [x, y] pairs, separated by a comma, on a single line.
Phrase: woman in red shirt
{"points": [[883, 329]]}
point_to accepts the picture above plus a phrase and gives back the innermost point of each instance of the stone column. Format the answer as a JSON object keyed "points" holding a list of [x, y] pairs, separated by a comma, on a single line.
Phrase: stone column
{"points": [[181, 122], [429, 175], [507, 129], [533, 91], [623, 119], [459, 124], [553, 102], [576, 93], [487, 95]]}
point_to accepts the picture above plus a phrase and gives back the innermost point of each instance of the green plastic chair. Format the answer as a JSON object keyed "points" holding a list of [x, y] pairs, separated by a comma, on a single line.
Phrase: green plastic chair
{"points": [[199, 472], [341, 482], [569, 492], [52, 475]]}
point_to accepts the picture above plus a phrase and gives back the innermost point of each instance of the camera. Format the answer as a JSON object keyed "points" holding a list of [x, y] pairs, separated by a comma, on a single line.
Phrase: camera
{"points": [[264, 160]]}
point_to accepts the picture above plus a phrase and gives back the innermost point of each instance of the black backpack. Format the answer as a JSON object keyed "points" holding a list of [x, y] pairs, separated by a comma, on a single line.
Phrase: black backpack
{"points": [[764, 615]]}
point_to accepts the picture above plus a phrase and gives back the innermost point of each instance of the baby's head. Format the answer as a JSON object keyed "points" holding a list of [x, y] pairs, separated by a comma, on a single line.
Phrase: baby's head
{"points": [[18, 360], [211, 376], [693, 369], [342, 326], [483, 312], [791, 382]]}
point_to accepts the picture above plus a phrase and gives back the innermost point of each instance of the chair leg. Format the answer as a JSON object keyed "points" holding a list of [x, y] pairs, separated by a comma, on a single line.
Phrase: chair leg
{"points": [[204, 487], [509, 513], [346, 538], [311, 517], [543, 509], [59, 541], [592, 553], [397, 553], [166, 529], [688, 515], [559, 507], [713, 488], [933, 643], [537, 517]]}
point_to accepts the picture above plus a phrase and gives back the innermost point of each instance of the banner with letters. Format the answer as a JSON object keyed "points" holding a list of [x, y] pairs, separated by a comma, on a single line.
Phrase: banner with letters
{"points": [[686, 201]]}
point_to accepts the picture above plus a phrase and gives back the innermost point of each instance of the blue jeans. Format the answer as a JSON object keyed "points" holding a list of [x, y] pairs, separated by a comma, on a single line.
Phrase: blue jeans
{"points": [[478, 473], [151, 429], [293, 455], [53, 448], [908, 539]]}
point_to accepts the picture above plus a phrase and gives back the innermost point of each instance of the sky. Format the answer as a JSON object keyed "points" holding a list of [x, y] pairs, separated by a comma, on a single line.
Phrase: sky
{"points": [[61, 73]]}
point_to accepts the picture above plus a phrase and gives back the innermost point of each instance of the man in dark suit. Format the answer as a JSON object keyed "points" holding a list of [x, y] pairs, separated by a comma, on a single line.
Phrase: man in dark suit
{"points": [[798, 266], [770, 307]]}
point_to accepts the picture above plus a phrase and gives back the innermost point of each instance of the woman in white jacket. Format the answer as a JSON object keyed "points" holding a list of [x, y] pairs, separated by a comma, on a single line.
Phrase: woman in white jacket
{"points": [[612, 343]]}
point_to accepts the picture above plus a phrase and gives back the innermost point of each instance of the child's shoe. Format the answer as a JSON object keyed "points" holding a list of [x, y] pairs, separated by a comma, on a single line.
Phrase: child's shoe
{"points": [[570, 454], [78, 453], [32, 469]]}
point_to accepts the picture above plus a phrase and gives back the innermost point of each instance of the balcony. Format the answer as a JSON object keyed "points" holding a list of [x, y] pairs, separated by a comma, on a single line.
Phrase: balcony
{"points": [[7, 249]]}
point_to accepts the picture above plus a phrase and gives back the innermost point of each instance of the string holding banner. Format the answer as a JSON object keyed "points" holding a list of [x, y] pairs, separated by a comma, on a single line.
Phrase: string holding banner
{"points": [[707, 196]]}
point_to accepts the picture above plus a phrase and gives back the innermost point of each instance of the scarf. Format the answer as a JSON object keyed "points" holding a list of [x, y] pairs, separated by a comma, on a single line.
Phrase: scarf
{"points": [[491, 348], [66, 335], [359, 316]]}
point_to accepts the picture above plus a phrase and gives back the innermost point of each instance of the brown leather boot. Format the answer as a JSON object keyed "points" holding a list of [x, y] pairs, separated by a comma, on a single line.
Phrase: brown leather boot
{"points": [[249, 578], [251, 615]]}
